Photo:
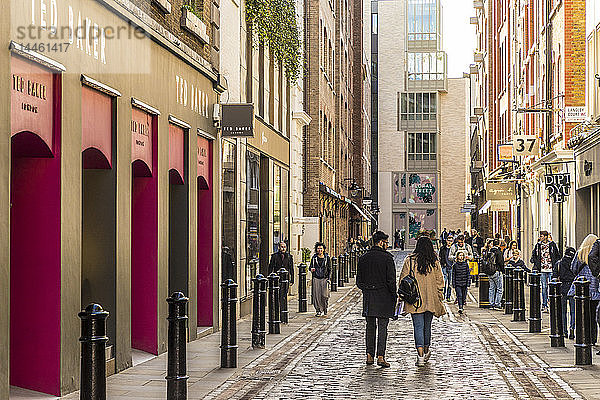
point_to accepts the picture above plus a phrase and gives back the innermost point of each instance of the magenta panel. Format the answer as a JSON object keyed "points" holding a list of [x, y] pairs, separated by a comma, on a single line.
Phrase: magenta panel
{"points": [[144, 257], [205, 242]]}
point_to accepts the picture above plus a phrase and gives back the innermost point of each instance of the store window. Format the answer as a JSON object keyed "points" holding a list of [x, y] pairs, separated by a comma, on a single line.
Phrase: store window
{"points": [[252, 206], [399, 184], [418, 106], [422, 188], [420, 222], [229, 217], [280, 206]]}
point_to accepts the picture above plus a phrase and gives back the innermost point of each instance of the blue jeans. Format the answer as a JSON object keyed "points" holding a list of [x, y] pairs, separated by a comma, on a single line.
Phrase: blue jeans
{"points": [[447, 271], [422, 328], [461, 295], [496, 289], [545, 278], [571, 301]]}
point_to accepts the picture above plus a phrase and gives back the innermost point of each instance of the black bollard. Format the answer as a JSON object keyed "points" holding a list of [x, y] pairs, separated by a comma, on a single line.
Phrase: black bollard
{"points": [[228, 329], [508, 289], [284, 287], [334, 274], [274, 310], [518, 294], [258, 312], [535, 303], [557, 337], [302, 299], [484, 291], [583, 320], [93, 353], [177, 345], [349, 266], [342, 265]]}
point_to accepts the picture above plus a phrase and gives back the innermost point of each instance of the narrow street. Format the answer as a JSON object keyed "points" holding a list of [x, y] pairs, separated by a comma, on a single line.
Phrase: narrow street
{"points": [[325, 359]]}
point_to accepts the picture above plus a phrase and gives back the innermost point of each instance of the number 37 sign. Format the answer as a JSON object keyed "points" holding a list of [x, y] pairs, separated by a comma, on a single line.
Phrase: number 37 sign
{"points": [[526, 145]]}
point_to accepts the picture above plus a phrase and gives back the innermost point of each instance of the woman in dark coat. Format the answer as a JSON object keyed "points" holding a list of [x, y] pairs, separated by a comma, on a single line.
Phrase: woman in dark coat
{"points": [[320, 266], [562, 271], [376, 277], [461, 277]]}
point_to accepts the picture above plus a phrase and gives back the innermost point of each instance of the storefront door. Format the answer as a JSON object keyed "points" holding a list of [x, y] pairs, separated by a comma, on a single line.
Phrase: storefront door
{"points": [[205, 232]]}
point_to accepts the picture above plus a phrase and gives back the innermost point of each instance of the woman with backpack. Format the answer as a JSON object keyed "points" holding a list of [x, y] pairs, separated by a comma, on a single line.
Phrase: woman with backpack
{"points": [[580, 267], [461, 277], [424, 266]]}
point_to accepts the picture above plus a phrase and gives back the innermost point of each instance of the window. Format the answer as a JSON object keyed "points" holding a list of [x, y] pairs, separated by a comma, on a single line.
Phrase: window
{"points": [[422, 146], [426, 66], [422, 20], [374, 18], [418, 106]]}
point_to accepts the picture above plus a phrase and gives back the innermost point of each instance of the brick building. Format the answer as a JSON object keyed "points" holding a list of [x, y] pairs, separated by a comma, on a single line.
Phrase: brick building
{"points": [[330, 52], [530, 69]]}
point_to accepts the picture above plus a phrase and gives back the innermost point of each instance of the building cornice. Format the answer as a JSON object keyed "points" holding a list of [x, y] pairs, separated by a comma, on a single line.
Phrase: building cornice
{"points": [[302, 116]]}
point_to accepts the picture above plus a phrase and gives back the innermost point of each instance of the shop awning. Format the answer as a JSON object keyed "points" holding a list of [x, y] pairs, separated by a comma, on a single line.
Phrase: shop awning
{"points": [[495, 205], [485, 207], [357, 208]]}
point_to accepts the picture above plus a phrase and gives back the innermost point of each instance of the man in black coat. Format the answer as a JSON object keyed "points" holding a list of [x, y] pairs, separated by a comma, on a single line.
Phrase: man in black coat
{"points": [[376, 277], [594, 259], [282, 259]]}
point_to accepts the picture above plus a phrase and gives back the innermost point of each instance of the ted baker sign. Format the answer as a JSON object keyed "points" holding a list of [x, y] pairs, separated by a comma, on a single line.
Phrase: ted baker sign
{"points": [[30, 88]]}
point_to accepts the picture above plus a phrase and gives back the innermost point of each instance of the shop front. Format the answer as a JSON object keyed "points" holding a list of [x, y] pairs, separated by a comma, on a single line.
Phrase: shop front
{"points": [[587, 195], [112, 188]]}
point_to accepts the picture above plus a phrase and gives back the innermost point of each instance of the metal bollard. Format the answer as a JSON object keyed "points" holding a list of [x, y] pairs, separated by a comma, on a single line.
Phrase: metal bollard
{"points": [[284, 288], [519, 294], [484, 291], [583, 320], [302, 299], [557, 337], [535, 303], [334, 274], [258, 312], [177, 345], [228, 324], [342, 264], [508, 289], [274, 310], [349, 266], [93, 353]]}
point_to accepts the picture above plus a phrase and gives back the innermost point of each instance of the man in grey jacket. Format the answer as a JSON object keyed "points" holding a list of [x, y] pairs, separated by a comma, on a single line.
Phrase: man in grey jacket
{"points": [[460, 245]]}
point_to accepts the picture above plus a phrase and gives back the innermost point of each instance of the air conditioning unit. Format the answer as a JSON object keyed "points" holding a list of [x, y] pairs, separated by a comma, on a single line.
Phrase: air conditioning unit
{"points": [[473, 70], [478, 4], [478, 110], [473, 20], [473, 120], [478, 57]]}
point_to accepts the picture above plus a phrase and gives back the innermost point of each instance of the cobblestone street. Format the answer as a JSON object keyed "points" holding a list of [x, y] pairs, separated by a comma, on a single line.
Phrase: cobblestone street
{"points": [[325, 359]]}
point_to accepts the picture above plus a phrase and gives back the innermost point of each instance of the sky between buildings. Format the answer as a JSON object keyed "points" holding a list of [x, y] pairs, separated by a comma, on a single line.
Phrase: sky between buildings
{"points": [[459, 35]]}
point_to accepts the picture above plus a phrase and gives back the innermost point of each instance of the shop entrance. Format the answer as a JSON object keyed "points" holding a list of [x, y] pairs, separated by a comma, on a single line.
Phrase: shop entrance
{"points": [[35, 266], [35, 232], [99, 216], [178, 212], [205, 233], [144, 233]]}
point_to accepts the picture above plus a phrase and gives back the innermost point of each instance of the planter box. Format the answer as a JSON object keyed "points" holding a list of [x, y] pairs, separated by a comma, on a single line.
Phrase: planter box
{"points": [[191, 23], [164, 5]]}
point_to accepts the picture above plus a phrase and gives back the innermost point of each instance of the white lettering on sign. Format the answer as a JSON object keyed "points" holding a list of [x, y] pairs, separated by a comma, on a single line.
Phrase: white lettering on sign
{"points": [[90, 37], [197, 99], [558, 186]]}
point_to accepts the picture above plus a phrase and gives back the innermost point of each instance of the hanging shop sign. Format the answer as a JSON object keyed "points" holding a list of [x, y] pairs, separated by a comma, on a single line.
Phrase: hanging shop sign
{"points": [[526, 145], [500, 206], [558, 186], [237, 120], [505, 152], [500, 191]]}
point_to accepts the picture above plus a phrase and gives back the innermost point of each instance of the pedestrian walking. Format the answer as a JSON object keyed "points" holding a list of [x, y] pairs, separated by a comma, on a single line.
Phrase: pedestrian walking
{"points": [[493, 267], [462, 246], [580, 267], [461, 277], [282, 259], [562, 271], [376, 278], [508, 253], [444, 235], [544, 256], [320, 267], [476, 242], [397, 239], [428, 274], [516, 261], [446, 265]]}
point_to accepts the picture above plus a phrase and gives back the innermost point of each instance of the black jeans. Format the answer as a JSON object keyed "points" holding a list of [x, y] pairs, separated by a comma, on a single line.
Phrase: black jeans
{"points": [[382, 324]]}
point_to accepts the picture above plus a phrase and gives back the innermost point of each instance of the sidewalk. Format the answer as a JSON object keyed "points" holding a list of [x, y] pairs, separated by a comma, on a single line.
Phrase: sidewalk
{"points": [[514, 341], [147, 380]]}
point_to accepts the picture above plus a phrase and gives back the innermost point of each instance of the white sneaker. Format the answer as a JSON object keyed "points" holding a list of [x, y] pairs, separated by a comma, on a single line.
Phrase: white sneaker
{"points": [[420, 361], [427, 356]]}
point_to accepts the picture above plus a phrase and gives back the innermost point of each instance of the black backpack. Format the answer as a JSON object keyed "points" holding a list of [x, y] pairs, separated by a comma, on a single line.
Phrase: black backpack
{"points": [[408, 290], [487, 264]]}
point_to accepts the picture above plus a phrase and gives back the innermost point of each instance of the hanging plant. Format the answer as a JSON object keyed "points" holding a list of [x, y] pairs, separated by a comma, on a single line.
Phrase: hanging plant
{"points": [[274, 22]]}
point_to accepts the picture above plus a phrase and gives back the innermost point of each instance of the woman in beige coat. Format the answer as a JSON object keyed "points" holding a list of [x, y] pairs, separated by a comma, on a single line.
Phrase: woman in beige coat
{"points": [[428, 273]]}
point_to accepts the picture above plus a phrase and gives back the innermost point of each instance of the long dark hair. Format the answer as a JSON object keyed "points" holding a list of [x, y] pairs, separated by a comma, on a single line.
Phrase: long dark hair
{"points": [[425, 255]]}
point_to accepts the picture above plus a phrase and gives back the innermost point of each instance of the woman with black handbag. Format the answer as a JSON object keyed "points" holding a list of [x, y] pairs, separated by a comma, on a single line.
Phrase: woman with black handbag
{"points": [[424, 267]]}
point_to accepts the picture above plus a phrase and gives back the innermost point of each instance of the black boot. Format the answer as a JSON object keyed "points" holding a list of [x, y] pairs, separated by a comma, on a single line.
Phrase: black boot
{"points": [[571, 334]]}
